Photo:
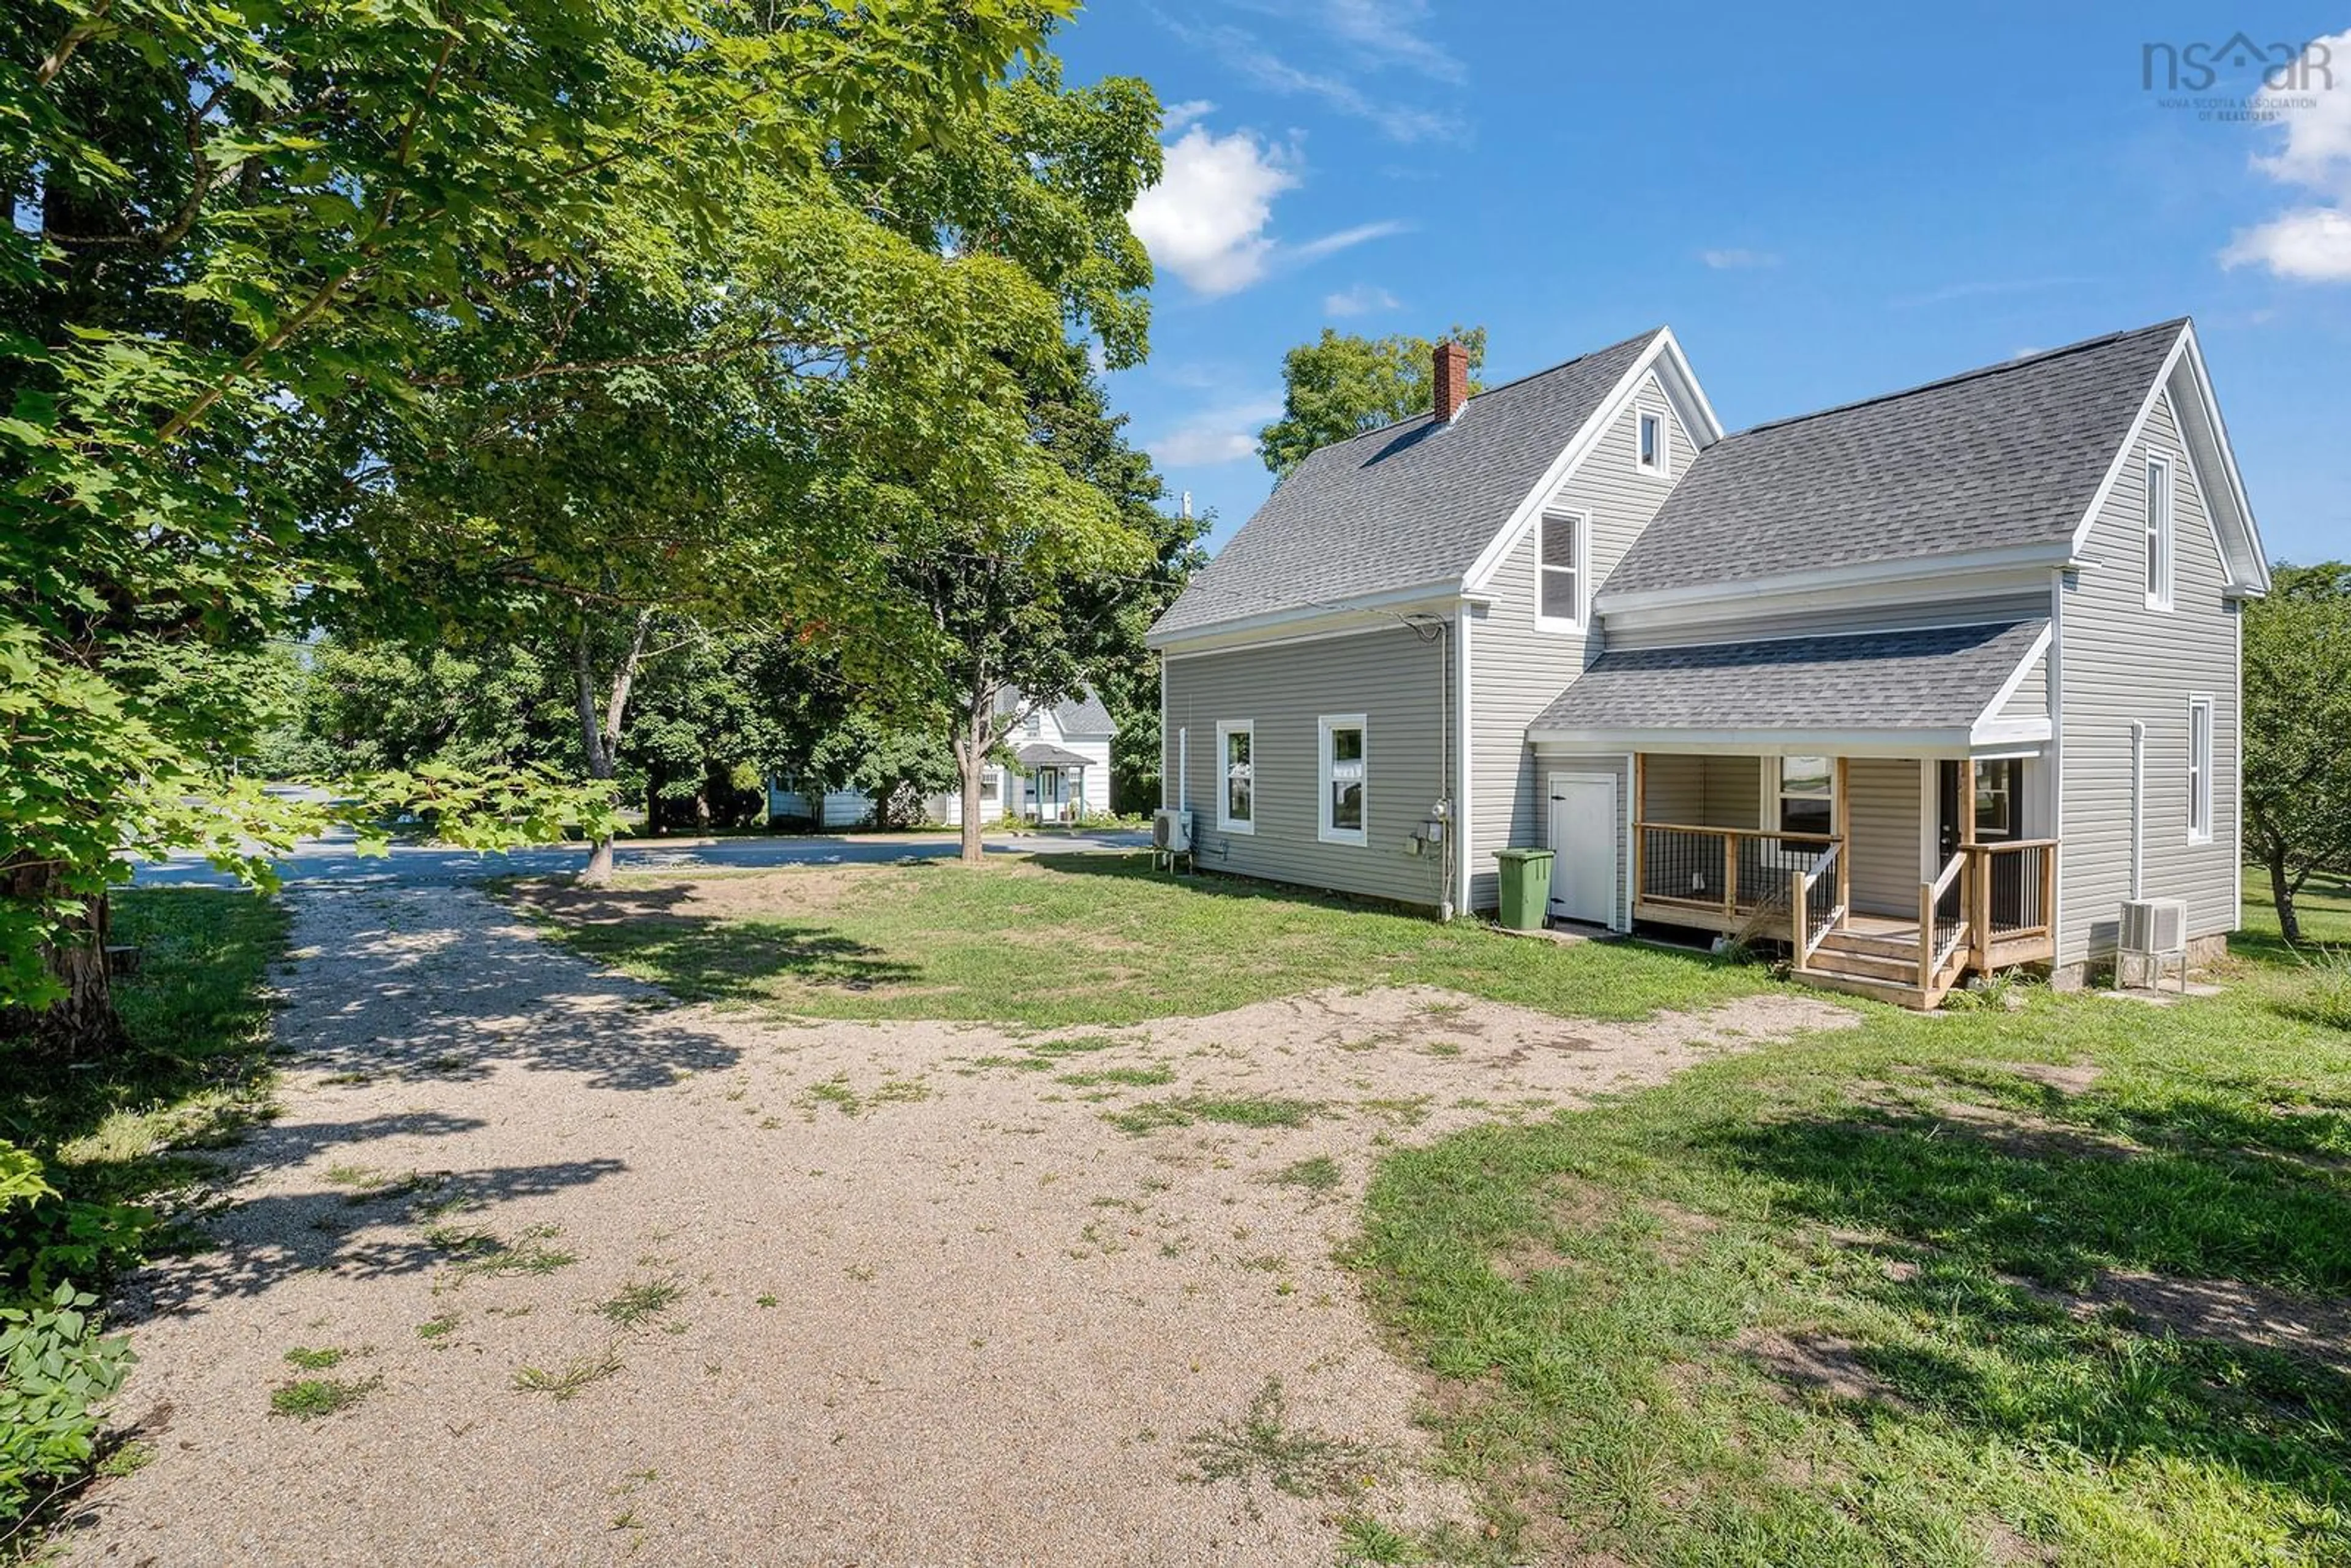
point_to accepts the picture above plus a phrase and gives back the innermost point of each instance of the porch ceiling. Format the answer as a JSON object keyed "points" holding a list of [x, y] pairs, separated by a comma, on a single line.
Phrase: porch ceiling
{"points": [[1918, 692]]}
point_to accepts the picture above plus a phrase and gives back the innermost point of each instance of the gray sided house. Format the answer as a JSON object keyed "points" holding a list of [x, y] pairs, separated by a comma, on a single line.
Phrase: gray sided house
{"points": [[1930, 684]]}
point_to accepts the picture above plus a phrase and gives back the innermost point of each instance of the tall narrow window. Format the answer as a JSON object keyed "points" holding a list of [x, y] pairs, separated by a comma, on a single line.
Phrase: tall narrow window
{"points": [[2199, 770], [1807, 795], [1559, 592], [2159, 533], [1649, 432], [1237, 799], [1345, 768]]}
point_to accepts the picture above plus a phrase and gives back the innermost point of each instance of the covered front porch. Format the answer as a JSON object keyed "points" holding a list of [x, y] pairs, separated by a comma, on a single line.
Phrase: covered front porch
{"points": [[1883, 804], [1903, 874]]}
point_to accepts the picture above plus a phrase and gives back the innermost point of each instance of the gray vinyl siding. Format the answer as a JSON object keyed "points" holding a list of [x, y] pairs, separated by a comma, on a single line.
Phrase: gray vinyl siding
{"points": [[1612, 763], [1884, 810], [1391, 677], [1702, 791], [2030, 698], [2120, 661], [1517, 670], [1852, 616]]}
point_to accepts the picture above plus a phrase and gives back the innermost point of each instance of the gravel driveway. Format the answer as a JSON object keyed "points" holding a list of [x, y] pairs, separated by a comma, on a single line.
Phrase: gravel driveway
{"points": [[615, 1280]]}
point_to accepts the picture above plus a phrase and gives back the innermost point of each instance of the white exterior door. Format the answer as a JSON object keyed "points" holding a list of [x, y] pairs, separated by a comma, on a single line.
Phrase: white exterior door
{"points": [[1584, 847]]}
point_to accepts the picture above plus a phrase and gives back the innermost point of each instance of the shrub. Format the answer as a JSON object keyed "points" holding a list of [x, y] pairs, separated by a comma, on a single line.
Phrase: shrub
{"points": [[2325, 994], [54, 1371]]}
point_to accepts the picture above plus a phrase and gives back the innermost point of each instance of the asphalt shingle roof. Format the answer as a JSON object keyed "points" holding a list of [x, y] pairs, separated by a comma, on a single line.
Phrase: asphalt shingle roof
{"points": [[1084, 715], [2011, 454], [1941, 678], [1043, 754], [1408, 504]]}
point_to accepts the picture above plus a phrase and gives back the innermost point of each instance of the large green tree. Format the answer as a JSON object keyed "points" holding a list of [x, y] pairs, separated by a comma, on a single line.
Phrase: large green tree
{"points": [[2297, 729], [1342, 384], [246, 240]]}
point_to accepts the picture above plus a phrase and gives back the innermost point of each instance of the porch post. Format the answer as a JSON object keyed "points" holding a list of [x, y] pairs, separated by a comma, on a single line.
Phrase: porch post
{"points": [[1640, 815], [1843, 831], [1975, 880]]}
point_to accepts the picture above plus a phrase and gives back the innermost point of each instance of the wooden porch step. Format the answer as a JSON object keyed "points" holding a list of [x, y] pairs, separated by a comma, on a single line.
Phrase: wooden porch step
{"points": [[1901, 996], [1872, 944], [1868, 965]]}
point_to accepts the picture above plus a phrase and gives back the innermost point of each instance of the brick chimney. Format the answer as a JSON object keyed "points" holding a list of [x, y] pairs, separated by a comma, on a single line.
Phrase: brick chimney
{"points": [[1452, 381]]}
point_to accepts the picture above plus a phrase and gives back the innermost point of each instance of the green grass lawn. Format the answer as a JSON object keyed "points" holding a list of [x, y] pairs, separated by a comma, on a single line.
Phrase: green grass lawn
{"points": [[1054, 940], [129, 1130], [1851, 1299]]}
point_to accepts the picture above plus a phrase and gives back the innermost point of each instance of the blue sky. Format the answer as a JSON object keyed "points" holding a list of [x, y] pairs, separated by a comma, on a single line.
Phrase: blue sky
{"points": [[1822, 209]]}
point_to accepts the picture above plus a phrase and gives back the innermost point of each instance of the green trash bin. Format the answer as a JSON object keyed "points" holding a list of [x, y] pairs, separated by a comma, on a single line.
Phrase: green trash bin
{"points": [[1526, 888]]}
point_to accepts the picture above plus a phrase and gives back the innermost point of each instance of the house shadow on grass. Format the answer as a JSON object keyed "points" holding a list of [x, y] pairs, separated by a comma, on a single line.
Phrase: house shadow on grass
{"points": [[2164, 1282]]}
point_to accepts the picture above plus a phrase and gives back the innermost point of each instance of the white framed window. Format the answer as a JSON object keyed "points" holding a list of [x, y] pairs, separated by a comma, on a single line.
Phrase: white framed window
{"points": [[1562, 542], [2158, 531], [1807, 795], [988, 782], [1033, 724], [1650, 451], [1237, 783], [1345, 764], [2199, 770]]}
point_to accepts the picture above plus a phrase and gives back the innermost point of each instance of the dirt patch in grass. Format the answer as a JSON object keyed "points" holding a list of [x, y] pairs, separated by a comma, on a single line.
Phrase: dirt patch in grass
{"points": [[2229, 1310], [2071, 1079], [1820, 1364]]}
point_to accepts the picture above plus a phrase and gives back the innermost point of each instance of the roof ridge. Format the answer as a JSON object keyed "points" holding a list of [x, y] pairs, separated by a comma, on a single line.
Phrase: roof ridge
{"points": [[1396, 425], [2024, 362]]}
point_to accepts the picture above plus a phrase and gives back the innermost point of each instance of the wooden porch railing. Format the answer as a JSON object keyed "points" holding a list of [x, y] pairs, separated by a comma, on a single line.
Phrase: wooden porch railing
{"points": [[1727, 874], [1816, 901], [1995, 900]]}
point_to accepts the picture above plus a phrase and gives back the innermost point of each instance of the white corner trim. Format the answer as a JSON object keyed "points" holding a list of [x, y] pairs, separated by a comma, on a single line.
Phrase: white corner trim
{"points": [[2008, 688], [1465, 821]]}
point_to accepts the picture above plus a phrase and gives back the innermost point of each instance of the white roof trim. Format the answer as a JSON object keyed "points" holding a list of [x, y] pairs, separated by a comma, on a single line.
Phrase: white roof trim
{"points": [[1683, 395], [1990, 717], [1796, 741], [1858, 575], [1444, 593], [2206, 410]]}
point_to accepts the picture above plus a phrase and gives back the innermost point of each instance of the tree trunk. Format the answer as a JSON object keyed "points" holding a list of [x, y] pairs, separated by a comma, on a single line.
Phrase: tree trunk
{"points": [[600, 736], [2281, 892], [82, 1023]]}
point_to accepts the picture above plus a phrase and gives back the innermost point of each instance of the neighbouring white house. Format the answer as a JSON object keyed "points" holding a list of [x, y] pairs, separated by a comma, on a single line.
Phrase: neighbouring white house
{"points": [[1062, 751], [1933, 684]]}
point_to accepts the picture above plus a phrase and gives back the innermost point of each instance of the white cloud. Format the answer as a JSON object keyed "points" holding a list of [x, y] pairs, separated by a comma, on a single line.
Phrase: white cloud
{"points": [[1176, 116], [2312, 244], [1377, 33], [1346, 239], [1215, 435], [2313, 106], [1245, 54], [1733, 259], [1206, 220], [1364, 299]]}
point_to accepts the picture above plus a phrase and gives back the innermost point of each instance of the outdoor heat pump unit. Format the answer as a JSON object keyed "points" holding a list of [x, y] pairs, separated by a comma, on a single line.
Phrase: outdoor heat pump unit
{"points": [[2152, 930], [1171, 831]]}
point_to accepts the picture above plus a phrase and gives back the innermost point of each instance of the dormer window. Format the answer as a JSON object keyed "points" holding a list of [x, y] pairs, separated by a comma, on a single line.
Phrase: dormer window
{"points": [[1564, 539], [1649, 441], [2158, 532]]}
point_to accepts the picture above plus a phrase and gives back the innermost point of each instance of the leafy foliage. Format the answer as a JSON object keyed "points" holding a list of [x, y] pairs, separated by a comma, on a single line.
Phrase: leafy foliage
{"points": [[56, 1369], [1342, 384], [266, 256], [2298, 696]]}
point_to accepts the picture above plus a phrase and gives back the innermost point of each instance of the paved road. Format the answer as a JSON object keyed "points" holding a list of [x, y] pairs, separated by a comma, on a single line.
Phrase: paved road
{"points": [[335, 858]]}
